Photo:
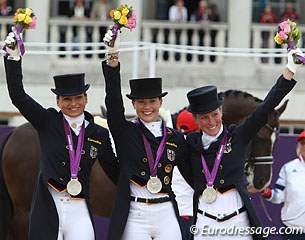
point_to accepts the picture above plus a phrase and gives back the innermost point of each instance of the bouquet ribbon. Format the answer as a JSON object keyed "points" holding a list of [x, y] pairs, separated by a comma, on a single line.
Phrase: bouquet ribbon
{"points": [[17, 31], [291, 45], [115, 29], [19, 41]]}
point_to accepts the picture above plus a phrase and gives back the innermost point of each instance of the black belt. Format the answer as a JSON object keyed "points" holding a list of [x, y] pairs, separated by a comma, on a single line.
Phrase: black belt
{"points": [[225, 218], [150, 200]]}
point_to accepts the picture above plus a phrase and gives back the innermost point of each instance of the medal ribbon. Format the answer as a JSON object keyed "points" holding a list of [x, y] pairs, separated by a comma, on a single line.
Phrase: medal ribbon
{"points": [[151, 162], [74, 157], [210, 176]]}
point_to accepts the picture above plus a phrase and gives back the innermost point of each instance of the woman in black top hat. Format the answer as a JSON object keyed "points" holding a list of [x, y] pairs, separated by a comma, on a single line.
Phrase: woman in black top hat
{"points": [[145, 205], [218, 156], [70, 143]]}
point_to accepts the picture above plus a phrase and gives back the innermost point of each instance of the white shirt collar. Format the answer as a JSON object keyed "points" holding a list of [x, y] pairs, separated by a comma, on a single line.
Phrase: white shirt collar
{"points": [[76, 122], [207, 139], [154, 127]]}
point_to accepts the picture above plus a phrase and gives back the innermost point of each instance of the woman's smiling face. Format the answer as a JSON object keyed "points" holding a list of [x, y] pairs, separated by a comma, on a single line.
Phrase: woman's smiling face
{"points": [[147, 109], [72, 106], [210, 122]]}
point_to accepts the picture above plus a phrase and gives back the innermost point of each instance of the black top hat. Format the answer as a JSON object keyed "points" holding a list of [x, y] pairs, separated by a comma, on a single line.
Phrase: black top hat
{"points": [[203, 100], [145, 88], [70, 84]]}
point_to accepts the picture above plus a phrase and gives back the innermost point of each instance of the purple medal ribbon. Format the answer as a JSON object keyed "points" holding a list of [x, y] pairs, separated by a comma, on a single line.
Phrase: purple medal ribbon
{"points": [[151, 162], [291, 45], [74, 157], [210, 176]]}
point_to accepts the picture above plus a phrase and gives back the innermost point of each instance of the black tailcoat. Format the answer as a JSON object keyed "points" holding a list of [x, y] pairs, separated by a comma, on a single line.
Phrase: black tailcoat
{"points": [[231, 169], [131, 153], [54, 165]]}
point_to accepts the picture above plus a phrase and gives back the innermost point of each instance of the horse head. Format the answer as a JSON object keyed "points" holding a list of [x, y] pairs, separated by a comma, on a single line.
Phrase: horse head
{"points": [[237, 107], [258, 168]]}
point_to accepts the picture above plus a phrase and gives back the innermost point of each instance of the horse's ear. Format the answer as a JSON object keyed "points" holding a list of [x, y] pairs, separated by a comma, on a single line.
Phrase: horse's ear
{"points": [[220, 94], [103, 112], [282, 108]]}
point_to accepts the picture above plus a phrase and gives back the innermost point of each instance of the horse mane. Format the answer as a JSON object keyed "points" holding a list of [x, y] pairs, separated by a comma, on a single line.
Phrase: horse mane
{"points": [[236, 93], [237, 106]]}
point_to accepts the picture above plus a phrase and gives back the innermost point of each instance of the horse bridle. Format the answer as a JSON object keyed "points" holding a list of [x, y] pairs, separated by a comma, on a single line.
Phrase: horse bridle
{"points": [[266, 159], [275, 130], [260, 160]]}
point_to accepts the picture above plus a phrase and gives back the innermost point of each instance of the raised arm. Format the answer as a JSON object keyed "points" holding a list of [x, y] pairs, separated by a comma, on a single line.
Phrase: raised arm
{"points": [[27, 106], [282, 87], [114, 100]]}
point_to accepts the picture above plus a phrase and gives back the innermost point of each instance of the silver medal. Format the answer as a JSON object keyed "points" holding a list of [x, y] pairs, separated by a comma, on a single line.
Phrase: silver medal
{"points": [[154, 185], [74, 187], [209, 194]]}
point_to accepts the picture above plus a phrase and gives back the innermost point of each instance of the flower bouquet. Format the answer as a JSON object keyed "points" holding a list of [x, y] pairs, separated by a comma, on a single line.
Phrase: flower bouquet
{"points": [[123, 16], [24, 18], [289, 34]]}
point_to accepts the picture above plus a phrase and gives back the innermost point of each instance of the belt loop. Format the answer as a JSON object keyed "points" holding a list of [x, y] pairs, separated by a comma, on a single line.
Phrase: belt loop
{"points": [[237, 211], [136, 199]]}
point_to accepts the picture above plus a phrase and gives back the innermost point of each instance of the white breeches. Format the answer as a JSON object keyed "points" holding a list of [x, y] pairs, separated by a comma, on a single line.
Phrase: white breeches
{"points": [[152, 221], [74, 218]]}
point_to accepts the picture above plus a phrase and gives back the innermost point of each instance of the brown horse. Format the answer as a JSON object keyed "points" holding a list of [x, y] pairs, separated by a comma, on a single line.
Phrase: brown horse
{"points": [[20, 154]]}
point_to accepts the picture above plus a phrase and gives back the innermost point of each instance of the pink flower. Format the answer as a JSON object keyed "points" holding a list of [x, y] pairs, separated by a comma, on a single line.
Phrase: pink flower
{"points": [[132, 21], [283, 35], [285, 26], [32, 25]]}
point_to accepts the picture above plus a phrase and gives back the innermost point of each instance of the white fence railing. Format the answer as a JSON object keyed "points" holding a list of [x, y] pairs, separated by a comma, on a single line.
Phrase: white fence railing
{"points": [[146, 57]]}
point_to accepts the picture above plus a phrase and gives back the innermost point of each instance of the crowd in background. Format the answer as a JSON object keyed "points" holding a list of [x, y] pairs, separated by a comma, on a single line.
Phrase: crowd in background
{"points": [[176, 11]]}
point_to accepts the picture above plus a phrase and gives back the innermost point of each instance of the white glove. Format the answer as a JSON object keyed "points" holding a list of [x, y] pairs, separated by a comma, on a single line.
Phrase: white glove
{"points": [[108, 37], [293, 67], [13, 54]]}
